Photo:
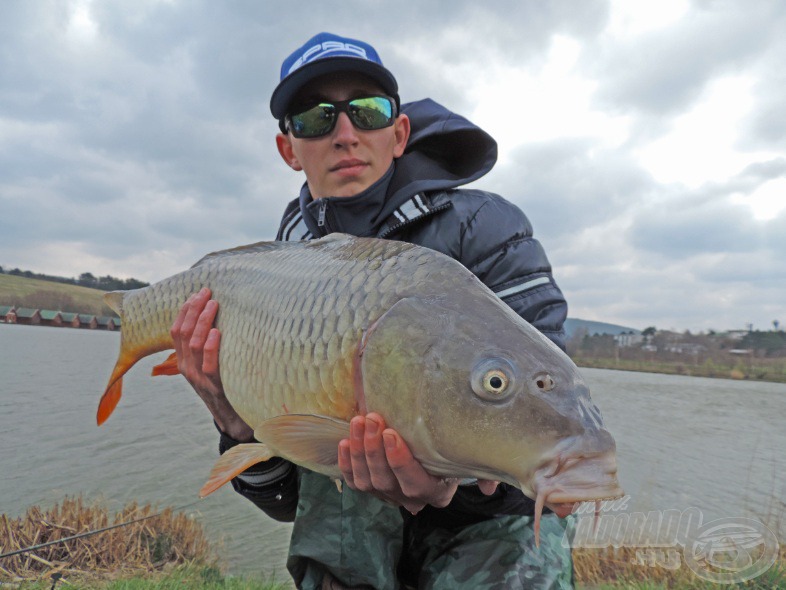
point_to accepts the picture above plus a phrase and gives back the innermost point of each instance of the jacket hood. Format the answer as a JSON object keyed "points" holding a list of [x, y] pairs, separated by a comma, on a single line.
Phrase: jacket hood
{"points": [[444, 151]]}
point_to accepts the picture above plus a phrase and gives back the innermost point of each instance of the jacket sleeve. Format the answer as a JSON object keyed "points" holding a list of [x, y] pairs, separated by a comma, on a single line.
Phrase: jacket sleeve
{"points": [[270, 485], [497, 245]]}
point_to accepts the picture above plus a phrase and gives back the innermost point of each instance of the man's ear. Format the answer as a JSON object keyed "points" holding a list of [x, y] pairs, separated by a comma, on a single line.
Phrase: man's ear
{"points": [[284, 145], [402, 129]]}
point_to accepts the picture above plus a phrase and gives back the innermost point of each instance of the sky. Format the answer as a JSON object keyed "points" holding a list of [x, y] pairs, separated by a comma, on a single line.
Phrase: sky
{"points": [[645, 141]]}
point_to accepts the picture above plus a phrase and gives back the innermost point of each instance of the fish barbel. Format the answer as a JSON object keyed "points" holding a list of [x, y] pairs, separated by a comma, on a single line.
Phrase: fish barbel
{"points": [[314, 333]]}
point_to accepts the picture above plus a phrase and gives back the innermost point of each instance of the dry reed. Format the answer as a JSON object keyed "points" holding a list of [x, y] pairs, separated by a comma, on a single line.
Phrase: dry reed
{"points": [[168, 538], [630, 566]]}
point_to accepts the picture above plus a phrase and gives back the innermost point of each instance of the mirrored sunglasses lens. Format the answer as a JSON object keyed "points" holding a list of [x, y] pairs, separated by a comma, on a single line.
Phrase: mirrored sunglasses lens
{"points": [[314, 122], [374, 112]]}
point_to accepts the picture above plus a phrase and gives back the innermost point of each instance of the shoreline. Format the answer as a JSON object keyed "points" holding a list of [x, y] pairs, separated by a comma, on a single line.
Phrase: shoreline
{"points": [[756, 373]]}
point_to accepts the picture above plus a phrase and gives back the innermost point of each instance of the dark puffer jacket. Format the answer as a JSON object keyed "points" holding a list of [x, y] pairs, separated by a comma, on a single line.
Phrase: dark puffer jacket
{"points": [[417, 201]]}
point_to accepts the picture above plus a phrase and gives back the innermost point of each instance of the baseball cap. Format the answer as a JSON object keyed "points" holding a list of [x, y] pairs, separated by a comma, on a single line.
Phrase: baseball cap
{"points": [[327, 53]]}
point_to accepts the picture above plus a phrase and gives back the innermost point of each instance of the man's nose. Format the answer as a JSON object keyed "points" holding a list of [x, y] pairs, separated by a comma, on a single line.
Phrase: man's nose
{"points": [[345, 132]]}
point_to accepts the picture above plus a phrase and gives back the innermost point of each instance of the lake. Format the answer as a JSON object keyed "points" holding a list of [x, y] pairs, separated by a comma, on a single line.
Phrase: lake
{"points": [[683, 442]]}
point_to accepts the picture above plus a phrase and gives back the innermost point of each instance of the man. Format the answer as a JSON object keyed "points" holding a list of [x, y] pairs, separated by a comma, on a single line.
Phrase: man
{"points": [[376, 168]]}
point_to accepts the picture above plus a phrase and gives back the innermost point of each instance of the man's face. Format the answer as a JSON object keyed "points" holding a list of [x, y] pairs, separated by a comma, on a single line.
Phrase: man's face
{"points": [[347, 160]]}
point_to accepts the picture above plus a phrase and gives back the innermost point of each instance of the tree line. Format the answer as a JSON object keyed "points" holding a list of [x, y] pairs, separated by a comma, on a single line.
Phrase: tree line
{"points": [[86, 279]]}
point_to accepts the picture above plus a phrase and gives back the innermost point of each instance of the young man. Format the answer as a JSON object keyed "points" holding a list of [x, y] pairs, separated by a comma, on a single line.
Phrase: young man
{"points": [[376, 168]]}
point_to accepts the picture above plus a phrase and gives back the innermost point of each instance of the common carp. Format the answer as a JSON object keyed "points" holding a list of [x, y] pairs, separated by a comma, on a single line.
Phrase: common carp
{"points": [[314, 333]]}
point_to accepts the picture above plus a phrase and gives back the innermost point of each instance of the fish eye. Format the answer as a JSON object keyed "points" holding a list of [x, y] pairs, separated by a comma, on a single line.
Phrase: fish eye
{"points": [[544, 382], [492, 380], [495, 381]]}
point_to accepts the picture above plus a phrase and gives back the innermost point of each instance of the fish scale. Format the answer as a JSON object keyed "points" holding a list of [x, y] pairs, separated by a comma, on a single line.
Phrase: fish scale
{"points": [[296, 339], [313, 333]]}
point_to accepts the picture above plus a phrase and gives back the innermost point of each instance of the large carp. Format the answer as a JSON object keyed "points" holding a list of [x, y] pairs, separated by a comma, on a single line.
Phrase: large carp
{"points": [[314, 333]]}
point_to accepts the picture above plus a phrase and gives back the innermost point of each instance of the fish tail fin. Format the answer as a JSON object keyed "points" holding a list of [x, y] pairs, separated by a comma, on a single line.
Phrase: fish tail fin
{"points": [[114, 390], [234, 461], [168, 367], [139, 337], [109, 401]]}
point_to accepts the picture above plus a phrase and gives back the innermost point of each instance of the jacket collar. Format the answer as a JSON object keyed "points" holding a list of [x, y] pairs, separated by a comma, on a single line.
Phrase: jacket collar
{"points": [[420, 206]]}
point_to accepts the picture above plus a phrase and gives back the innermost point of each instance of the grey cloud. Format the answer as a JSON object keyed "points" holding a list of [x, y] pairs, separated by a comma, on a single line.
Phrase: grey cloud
{"points": [[572, 184], [689, 222], [663, 71], [673, 229], [155, 139]]}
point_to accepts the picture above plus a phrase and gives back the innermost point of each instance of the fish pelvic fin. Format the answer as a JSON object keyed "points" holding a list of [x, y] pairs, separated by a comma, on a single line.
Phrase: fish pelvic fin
{"points": [[234, 461], [168, 367], [306, 439]]}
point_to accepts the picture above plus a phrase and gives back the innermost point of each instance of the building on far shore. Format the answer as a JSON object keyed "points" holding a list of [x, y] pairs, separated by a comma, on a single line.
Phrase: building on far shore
{"points": [[88, 321], [107, 323], [51, 318], [10, 314], [27, 316], [70, 319]]}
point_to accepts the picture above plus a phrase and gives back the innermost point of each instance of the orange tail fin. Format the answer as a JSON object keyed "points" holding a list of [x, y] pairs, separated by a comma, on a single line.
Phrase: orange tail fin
{"points": [[114, 389], [168, 367], [109, 401]]}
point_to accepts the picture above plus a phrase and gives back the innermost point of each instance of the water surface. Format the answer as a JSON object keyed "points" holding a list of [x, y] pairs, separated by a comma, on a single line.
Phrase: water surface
{"points": [[716, 445]]}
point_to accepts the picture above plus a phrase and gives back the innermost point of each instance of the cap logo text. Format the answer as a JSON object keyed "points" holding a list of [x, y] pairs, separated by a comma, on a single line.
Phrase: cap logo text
{"points": [[322, 49]]}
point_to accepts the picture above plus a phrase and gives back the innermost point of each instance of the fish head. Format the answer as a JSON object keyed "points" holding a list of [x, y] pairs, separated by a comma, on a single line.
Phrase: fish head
{"points": [[484, 394]]}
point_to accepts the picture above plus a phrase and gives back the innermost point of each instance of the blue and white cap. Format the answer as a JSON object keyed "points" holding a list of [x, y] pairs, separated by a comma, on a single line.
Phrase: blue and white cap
{"points": [[327, 53]]}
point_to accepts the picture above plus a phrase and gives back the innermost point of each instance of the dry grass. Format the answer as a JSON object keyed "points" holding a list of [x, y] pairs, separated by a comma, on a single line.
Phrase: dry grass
{"points": [[169, 538], [630, 567]]}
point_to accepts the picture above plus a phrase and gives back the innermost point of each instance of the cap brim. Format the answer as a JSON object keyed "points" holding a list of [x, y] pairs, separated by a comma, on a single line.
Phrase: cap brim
{"points": [[289, 86]]}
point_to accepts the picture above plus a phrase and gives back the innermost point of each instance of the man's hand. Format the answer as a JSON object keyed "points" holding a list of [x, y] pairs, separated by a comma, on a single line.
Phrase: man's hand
{"points": [[197, 344], [375, 459]]}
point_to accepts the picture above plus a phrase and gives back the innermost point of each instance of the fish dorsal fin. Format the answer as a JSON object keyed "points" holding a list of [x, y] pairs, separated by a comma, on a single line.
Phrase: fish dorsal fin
{"points": [[306, 439], [114, 299], [247, 249], [259, 247], [234, 461]]}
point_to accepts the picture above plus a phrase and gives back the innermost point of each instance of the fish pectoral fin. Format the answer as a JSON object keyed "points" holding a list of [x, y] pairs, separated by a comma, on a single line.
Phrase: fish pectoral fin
{"points": [[168, 367], [307, 439], [234, 461]]}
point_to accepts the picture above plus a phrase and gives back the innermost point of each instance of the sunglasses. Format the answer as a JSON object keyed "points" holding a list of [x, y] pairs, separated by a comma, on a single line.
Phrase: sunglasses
{"points": [[366, 112]]}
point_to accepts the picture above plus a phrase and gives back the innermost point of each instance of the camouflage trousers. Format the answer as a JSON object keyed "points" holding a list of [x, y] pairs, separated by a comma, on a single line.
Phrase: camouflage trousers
{"points": [[352, 540]]}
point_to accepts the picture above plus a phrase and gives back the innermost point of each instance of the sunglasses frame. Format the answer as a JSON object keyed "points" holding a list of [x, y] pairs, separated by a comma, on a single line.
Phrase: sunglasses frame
{"points": [[341, 106]]}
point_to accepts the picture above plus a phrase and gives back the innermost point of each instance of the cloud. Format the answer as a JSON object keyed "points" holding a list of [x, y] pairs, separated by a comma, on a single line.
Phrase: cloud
{"points": [[646, 148], [663, 71]]}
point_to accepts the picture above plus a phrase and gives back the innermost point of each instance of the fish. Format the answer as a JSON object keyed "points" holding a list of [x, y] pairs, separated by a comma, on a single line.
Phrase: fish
{"points": [[314, 333]]}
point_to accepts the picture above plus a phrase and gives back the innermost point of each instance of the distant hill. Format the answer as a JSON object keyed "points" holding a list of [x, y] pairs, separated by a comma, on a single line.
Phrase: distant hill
{"points": [[39, 294], [572, 325]]}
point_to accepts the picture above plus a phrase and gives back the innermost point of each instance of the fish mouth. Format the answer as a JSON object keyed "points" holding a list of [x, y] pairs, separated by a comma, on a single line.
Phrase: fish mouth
{"points": [[567, 481]]}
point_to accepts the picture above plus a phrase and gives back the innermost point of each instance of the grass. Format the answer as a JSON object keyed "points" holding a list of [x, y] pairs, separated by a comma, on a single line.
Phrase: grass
{"points": [[170, 551], [192, 576], [772, 369], [167, 538], [618, 569], [38, 294]]}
